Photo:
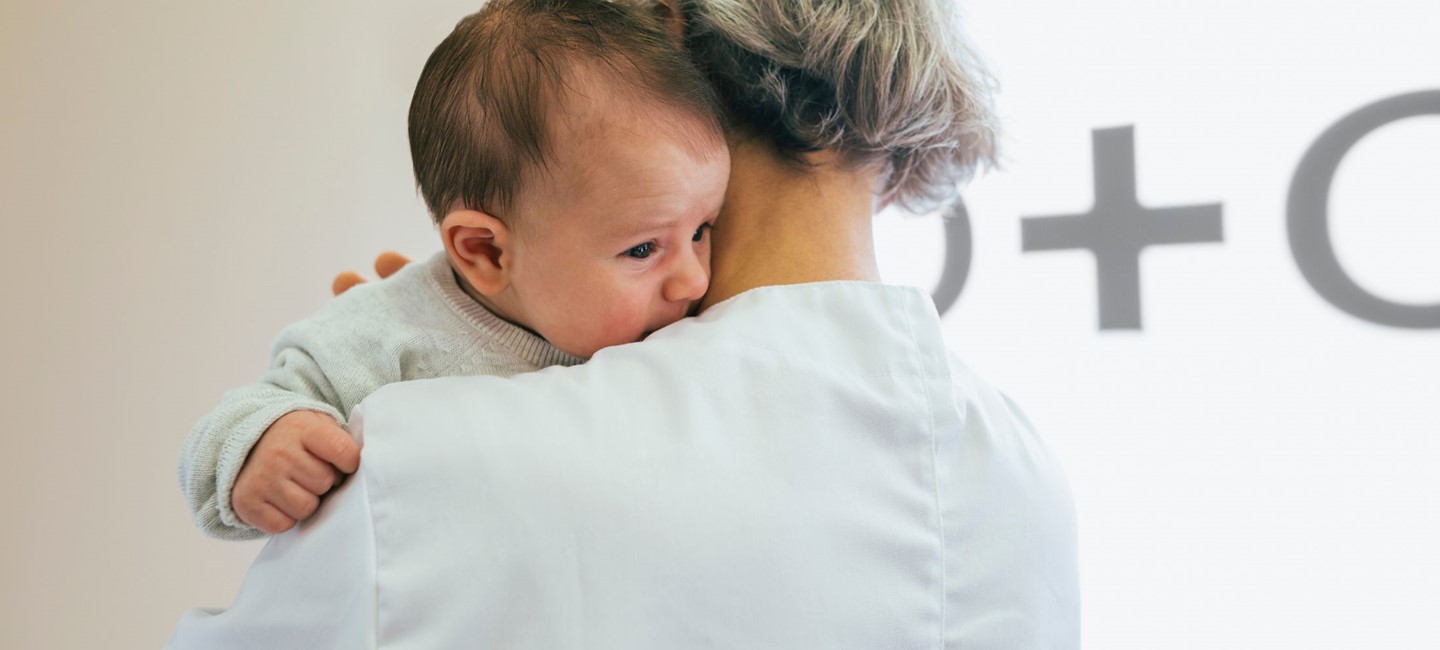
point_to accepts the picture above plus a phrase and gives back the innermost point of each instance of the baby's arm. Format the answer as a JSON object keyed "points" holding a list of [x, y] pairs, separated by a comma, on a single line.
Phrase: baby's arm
{"points": [[238, 489]]}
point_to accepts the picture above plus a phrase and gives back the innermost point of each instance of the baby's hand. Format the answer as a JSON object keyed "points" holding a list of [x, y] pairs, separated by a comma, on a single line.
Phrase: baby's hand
{"points": [[297, 460]]}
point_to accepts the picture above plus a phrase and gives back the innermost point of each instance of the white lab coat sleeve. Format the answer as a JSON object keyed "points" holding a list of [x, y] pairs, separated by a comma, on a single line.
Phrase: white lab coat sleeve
{"points": [[311, 587]]}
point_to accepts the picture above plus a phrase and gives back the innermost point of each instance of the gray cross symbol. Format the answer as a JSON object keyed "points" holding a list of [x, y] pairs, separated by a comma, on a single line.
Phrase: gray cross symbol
{"points": [[1118, 228]]}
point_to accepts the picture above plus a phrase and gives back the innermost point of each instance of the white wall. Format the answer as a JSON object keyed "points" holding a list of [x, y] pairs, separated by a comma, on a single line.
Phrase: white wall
{"points": [[1253, 469]]}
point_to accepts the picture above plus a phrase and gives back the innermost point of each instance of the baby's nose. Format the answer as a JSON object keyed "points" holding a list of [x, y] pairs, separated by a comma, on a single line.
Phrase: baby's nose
{"points": [[688, 282]]}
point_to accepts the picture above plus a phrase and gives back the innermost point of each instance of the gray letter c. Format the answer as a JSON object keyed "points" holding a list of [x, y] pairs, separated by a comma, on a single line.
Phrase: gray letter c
{"points": [[1307, 218]]}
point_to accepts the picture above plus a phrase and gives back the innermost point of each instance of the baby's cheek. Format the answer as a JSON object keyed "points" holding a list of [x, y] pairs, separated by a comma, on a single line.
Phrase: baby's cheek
{"points": [[616, 327]]}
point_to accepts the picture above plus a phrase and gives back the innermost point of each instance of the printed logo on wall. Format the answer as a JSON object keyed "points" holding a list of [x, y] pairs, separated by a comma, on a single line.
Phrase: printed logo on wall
{"points": [[1118, 228]]}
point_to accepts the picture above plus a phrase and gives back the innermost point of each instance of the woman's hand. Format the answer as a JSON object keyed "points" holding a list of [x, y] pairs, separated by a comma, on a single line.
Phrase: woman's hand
{"points": [[385, 265]]}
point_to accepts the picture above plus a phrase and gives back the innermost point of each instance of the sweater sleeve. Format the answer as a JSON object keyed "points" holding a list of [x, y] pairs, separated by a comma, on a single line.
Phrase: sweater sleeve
{"points": [[216, 449]]}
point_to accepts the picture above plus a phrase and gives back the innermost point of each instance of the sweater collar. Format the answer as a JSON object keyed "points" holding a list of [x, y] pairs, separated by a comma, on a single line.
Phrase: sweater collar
{"points": [[518, 340]]}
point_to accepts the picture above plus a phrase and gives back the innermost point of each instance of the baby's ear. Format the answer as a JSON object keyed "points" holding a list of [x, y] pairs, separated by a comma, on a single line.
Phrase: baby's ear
{"points": [[672, 19], [479, 246]]}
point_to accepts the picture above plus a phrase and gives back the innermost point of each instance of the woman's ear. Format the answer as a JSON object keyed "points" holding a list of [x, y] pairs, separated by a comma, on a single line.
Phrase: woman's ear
{"points": [[481, 248], [672, 19]]}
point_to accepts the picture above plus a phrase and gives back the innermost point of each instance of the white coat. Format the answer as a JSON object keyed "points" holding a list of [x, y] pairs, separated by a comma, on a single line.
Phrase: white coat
{"points": [[800, 467]]}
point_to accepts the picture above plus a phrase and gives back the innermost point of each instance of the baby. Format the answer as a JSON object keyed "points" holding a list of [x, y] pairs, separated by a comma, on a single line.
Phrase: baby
{"points": [[573, 159]]}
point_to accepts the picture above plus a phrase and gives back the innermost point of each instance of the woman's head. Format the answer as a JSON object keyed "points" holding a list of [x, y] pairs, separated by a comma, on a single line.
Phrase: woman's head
{"points": [[891, 83]]}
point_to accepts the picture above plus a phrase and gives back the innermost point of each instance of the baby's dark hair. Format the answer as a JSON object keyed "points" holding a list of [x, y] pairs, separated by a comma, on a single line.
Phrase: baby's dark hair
{"points": [[480, 117]]}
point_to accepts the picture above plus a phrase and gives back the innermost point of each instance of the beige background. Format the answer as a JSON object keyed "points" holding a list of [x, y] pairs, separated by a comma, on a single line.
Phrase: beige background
{"points": [[178, 181]]}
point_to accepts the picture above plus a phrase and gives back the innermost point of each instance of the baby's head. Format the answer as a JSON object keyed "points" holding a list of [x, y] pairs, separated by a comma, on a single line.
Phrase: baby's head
{"points": [[573, 158]]}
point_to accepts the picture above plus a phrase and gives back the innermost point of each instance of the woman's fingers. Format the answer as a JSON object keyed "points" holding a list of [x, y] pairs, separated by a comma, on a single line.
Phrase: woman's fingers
{"points": [[388, 263], [344, 281], [385, 266]]}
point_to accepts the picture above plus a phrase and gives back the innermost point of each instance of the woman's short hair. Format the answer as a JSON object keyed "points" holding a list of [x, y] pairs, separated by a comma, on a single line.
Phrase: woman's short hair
{"points": [[879, 81]]}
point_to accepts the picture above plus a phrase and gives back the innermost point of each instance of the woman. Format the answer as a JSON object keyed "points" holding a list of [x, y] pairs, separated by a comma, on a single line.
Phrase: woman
{"points": [[803, 465]]}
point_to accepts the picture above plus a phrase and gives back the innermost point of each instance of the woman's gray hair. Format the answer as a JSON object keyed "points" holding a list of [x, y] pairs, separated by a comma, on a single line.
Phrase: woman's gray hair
{"points": [[879, 81]]}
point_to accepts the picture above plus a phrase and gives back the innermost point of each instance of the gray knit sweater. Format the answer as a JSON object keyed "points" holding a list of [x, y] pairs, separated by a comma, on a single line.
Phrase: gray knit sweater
{"points": [[418, 324]]}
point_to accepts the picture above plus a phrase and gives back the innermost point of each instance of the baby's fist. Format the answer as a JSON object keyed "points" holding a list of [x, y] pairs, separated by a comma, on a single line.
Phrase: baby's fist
{"points": [[297, 460]]}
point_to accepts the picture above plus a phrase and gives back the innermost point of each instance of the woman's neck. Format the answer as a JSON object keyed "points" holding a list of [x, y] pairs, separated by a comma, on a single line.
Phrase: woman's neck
{"points": [[786, 224]]}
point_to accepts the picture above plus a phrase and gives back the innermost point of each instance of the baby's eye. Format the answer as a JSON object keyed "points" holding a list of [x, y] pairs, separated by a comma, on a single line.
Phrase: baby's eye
{"points": [[700, 232], [642, 251]]}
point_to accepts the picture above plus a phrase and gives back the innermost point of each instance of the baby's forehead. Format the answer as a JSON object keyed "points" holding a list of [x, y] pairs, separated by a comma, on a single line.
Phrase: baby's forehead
{"points": [[619, 153], [601, 138], [625, 174], [598, 102]]}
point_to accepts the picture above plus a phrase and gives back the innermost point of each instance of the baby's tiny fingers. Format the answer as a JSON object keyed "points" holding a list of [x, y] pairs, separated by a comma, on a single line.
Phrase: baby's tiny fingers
{"points": [[313, 474], [269, 519], [294, 501], [333, 445]]}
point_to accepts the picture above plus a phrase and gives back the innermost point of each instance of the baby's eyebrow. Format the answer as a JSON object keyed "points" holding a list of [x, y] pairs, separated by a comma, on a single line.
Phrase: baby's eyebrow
{"points": [[646, 225]]}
